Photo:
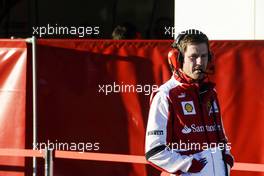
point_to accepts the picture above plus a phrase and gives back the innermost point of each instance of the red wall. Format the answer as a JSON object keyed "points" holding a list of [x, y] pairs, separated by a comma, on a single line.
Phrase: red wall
{"points": [[71, 108], [13, 63]]}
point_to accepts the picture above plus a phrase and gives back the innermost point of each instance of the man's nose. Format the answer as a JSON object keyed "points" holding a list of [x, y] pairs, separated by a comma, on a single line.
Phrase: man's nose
{"points": [[199, 60]]}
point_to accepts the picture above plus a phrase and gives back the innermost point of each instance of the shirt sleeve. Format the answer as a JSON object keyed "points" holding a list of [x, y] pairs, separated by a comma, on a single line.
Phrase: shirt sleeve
{"points": [[228, 156], [157, 149]]}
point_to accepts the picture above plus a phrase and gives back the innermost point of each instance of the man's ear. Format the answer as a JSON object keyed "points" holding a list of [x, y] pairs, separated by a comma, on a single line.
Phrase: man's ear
{"points": [[172, 59]]}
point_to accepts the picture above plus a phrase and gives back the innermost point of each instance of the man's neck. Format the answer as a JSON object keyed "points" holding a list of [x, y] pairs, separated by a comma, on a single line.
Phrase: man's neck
{"points": [[188, 79]]}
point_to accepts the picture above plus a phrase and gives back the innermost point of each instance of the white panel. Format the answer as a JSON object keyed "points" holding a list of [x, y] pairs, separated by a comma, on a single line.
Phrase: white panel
{"points": [[260, 19], [219, 19]]}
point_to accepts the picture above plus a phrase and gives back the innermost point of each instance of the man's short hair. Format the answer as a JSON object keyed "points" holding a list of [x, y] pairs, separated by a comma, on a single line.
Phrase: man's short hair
{"points": [[191, 36]]}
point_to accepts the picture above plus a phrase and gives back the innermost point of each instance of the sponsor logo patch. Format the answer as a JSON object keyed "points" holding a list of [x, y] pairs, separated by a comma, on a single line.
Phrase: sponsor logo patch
{"points": [[186, 130], [182, 95], [155, 132], [210, 109], [188, 108], [200, 129]]}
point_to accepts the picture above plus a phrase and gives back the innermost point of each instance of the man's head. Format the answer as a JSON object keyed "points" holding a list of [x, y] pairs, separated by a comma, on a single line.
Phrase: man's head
{"points": [[194, 53]]}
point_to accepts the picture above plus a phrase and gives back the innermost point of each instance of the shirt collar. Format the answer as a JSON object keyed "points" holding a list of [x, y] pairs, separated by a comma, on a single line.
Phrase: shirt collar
{"points": [[180, 76]]}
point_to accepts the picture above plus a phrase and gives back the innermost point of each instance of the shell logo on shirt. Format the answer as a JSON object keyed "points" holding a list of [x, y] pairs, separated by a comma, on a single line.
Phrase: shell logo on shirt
{"points": [[188, 108]]}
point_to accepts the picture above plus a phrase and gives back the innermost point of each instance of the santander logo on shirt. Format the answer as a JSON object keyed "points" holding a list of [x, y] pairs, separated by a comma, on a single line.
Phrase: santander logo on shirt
{"points": [[186, 130], [197, 129]]}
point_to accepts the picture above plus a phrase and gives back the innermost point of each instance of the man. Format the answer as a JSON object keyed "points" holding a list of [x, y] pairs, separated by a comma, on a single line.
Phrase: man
{"points": [[185, 134], [125, 31]]}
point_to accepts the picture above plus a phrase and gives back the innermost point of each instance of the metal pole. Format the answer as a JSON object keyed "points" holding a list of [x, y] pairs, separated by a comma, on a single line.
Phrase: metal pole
{"points": [[254, 13], [33, 41], [48, 162], [34, 81]]}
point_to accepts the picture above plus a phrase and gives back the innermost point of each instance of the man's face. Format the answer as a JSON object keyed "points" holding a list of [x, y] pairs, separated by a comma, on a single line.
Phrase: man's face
{"points": [[195, 60]]}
